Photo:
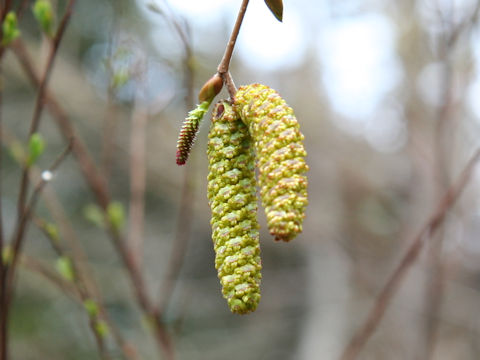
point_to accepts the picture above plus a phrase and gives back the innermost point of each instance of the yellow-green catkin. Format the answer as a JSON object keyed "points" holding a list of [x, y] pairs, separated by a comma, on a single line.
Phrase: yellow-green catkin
{"points": [[232, 199], [280, 157]]}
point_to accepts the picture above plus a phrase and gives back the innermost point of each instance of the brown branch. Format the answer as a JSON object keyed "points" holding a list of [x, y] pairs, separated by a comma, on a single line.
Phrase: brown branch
{"points": [[224, 65], [227, 56], [23, 223], [94, 179], [137, 181], [40, 99], [100, 190], [382, 301]]}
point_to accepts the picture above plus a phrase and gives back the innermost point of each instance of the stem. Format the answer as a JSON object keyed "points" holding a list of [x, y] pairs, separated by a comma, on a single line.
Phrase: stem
{"points": [[227, 56], [100, 190], [382, 301], [40, 100]]}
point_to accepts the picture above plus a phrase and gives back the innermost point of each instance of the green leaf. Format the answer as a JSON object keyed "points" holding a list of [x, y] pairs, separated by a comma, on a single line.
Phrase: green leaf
{"points": [[17, 152], [52, 231], [91, 306], [276, 7], [102, 328], [7, 255], [43, 12], [36, 146], [95, 215], [116, 215], [65, 268], [10, 28]]}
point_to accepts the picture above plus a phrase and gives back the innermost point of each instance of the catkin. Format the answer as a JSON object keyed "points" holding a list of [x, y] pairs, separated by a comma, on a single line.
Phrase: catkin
{"points": [[280, 156], [232, 199]]}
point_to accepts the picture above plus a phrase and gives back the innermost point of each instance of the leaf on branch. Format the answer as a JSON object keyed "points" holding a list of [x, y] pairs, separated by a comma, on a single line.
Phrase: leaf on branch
{"points": [[10, 28], [276, 7], [36, 146], [65, 268]]}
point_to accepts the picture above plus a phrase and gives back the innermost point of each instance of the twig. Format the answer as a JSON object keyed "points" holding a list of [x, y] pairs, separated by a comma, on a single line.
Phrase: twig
{"points": [[93, 177], [391, 287], [227, 56], [100, 190], [40, 99], [83, 294], [23, 224], [224, 65], [137, 180], [74, 292]]}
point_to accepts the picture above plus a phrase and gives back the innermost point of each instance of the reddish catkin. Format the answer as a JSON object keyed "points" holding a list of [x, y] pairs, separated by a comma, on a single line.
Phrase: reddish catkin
{"points": [[280, 157], [232, 199], [189, 131]]}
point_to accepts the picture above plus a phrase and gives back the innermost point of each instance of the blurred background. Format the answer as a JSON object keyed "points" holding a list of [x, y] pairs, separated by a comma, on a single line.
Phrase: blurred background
{"points": [[387, 95]]}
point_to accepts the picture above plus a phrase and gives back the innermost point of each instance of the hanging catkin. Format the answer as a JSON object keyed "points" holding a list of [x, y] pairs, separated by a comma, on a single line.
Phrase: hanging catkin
{"points": [[280, 157], [232, 199]]}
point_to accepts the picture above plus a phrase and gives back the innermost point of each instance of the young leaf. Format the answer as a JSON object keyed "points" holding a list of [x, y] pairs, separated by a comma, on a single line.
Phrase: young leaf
{"points": [[43, 12], [91, 306], [276, 7], [102, 328], [36, 146], [10, 28], [94, 214], [52, 231], [116, 215], [65, 268]]}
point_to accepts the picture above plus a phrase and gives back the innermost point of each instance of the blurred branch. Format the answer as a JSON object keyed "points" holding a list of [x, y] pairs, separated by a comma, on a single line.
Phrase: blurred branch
{"points": [[382, 301], [137, 180], [40, 99], [100, 190], [83, 295]]}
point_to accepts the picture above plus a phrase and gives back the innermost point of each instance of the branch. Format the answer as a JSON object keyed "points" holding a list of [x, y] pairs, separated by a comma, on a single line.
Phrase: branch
{"points": [[40, 99], [382, 301], [227, 56]]}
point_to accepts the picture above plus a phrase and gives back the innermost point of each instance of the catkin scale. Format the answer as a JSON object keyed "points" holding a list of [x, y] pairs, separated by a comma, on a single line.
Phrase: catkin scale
{"points": [[280, 157], [232, 199]]}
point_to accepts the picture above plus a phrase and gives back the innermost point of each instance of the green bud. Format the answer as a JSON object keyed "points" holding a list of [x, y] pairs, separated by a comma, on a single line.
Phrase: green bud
{"points": [[91, 307], [65, 268], [17, 152], [10, 28], [43, 12], [7, 254], [101, 328], [280, 158], [232, 199], [36, 147], [52, 231], [116, 215], [95, 215]]}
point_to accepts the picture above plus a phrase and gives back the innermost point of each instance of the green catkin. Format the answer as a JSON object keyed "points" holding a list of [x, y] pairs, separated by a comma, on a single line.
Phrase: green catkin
{"points": [[280, 157], [232, 199]]}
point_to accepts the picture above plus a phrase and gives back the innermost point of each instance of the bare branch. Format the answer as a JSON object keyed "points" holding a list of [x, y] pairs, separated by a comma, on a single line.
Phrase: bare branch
{"points": [[382, 301]]}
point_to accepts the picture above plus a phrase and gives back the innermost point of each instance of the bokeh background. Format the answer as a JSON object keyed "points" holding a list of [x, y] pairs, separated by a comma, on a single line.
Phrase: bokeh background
{"points": [[387, 95]]}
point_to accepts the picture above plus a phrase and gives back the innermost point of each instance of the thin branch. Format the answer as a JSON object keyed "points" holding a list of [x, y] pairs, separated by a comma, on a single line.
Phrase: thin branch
{"points": [[40, 99], [93, 177], [227, 56], [137, 180], [23, 224], [100, 190], [391, 287]]}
